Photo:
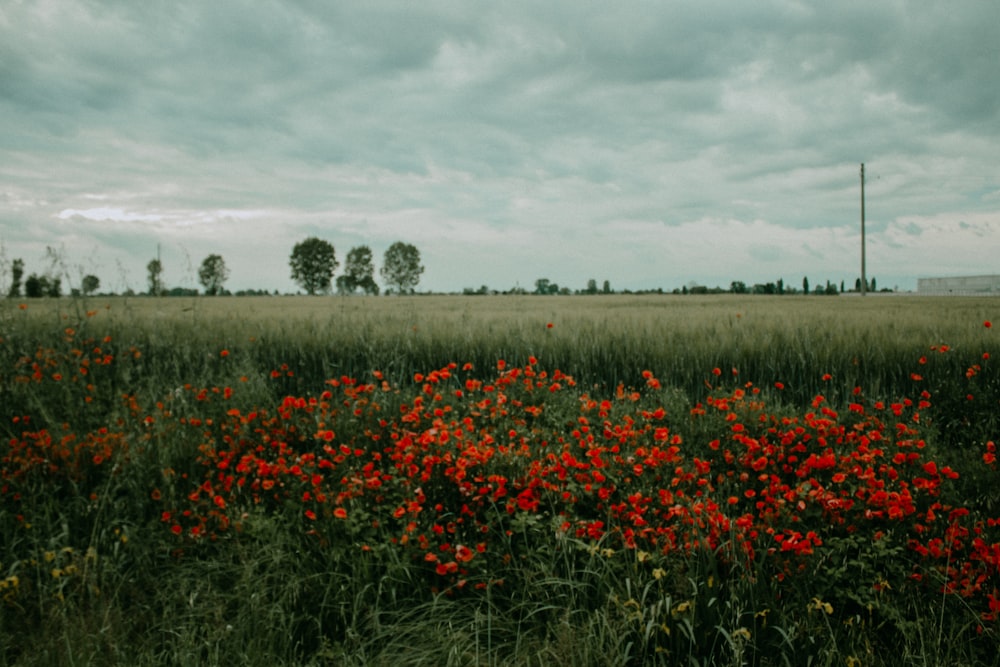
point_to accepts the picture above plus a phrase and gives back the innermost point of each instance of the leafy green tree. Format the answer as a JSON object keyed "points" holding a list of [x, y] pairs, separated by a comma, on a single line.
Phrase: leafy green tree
{"points": [[606, 288], [591, 286], [35, 286], [155, 272], [401, 267], [805, 285], [90, 284], [313, 262], [542, 286], [213, 274], [359, 272], [17, 273]]}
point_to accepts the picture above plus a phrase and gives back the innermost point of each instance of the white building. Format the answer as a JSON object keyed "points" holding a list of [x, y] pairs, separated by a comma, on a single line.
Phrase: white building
{"points": [[960, 285]]}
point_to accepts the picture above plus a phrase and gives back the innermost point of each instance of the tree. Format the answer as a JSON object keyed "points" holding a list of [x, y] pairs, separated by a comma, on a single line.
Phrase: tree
{"points": [[155, 271], [359, 272], [213, 274], [35, 286], [17, 272], [591, 286], [90, 284], [313, 262], [542, 286], [38, 286], [401, 266], [805, 285], [606, 288]]}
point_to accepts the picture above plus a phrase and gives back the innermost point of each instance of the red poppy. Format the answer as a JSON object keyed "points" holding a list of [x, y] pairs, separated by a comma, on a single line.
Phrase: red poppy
{"points": [[463, 554]]}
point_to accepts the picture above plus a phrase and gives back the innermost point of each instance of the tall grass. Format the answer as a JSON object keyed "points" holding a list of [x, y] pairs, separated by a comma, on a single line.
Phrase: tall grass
{"points": [[606, 340], [138, 397]]}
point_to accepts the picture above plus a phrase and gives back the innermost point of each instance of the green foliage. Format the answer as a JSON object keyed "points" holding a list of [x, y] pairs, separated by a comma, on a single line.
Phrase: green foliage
{"points": [[172, 486], [359, 272], [212, 274], [16, 275], [155, 272], [401, 267], [313, 262], [90, 284]]}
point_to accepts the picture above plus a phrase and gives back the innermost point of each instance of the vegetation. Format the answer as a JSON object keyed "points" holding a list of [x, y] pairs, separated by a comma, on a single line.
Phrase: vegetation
{"points": [[359, 272], [155, 277], [503, 480], [401, 267], [313, 262], [213, 274]]}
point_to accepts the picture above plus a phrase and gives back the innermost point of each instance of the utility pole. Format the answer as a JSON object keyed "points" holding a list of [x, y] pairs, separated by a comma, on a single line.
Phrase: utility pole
{"points": [[864, 281]]}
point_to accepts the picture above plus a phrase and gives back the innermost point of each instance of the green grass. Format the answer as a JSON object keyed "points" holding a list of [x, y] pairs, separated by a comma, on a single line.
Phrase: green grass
{"points": [[133, 398]]}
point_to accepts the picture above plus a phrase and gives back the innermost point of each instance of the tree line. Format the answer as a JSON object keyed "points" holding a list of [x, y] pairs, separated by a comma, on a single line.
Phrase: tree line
{"points": [[313, 262]]}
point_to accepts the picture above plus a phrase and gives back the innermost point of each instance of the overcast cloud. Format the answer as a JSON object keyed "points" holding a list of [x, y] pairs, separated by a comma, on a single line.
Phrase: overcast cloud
{"points": [[651, 144]]}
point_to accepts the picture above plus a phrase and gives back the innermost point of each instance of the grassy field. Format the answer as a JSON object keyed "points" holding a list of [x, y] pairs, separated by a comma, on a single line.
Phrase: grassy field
{"points": [[500, 480]]}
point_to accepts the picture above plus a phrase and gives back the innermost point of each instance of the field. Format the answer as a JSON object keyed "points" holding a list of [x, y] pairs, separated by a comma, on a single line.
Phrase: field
{"points": [[500, 481]]}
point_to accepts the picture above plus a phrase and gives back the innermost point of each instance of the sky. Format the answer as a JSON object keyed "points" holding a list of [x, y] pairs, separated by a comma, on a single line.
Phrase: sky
{"points": [[649, 144]]}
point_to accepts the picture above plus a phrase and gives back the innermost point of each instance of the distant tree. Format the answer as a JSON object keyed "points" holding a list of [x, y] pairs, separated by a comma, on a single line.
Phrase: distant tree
{"points": [[873, 284], [781, 285], [155, 271], [857, 284], [542, 286], [313, 262], [213, 274], [90, 284], [359, 272], [606, 288], [37, 286], [34, 286], [401, 266], [591, 286], [738, 287], [805, 285], [16, 274]]}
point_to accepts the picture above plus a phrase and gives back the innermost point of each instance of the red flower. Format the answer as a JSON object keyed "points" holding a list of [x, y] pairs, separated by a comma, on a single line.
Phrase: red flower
{"points": [[526, 500], [463, 554]]}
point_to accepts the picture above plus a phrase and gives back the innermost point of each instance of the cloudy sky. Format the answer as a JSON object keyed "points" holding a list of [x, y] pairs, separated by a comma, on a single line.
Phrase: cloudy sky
{"points": [[651, 144]]}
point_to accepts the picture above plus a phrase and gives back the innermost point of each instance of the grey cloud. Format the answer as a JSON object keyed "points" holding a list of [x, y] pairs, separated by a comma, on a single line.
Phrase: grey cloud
{"points": [[533, 121]]}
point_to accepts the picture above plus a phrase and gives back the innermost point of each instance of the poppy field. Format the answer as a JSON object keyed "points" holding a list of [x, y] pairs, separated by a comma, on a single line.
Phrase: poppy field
{"points": [[493, 481]]}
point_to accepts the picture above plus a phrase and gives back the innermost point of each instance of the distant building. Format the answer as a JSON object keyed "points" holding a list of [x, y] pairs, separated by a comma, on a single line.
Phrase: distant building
{"points": [[960, 286]]}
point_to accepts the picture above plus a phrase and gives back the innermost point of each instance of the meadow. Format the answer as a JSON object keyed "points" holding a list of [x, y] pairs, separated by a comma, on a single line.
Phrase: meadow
{"points": [[587, 480]]}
